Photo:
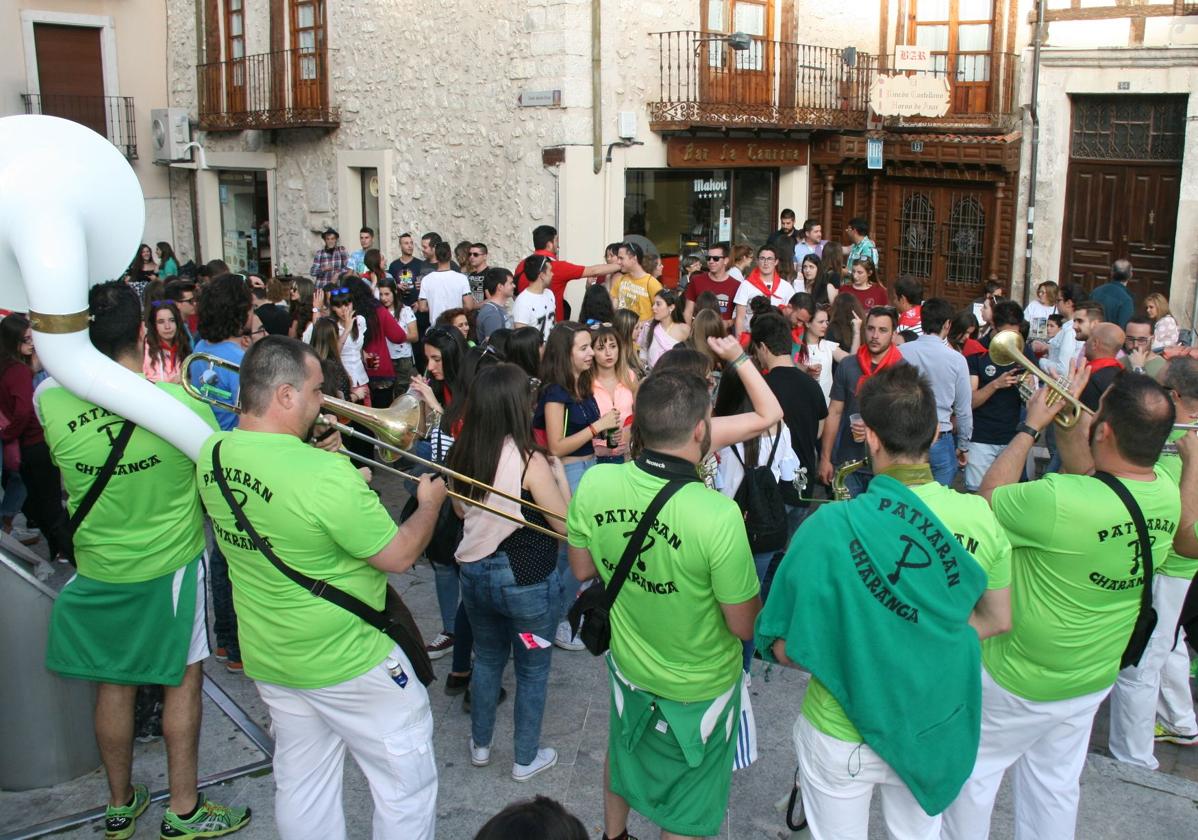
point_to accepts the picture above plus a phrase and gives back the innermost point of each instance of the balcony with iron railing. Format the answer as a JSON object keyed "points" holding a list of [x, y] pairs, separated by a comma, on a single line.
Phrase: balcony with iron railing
{"points": [[108, 116], [281, 89], [763, 85], [982, 90]]}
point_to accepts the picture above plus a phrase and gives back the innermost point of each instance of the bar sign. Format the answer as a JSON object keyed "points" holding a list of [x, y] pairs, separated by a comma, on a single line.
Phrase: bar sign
{"points": [[873, 153]]}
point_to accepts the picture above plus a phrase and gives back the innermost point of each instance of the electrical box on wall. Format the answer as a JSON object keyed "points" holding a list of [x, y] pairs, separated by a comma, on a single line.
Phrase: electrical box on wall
{"points": [[626, 125], [170, 132]]}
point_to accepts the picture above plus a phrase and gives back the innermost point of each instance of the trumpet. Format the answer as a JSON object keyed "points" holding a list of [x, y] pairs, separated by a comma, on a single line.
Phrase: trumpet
{"points": [[1170, 447], [1006, 348], [396, 428]]}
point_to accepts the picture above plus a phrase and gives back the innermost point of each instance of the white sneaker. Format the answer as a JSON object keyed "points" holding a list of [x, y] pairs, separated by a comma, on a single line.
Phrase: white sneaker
{"points": [[479, 756], [565, 639], [546, 758]]}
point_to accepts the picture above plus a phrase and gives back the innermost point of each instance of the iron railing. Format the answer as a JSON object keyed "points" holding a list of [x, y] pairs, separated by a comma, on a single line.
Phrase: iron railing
{"points": [[281, 89], [110, 116], [772, 84], [981, 87]]}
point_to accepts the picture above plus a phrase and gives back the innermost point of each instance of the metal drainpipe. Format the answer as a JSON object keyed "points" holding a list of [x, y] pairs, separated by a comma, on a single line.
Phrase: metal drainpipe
{"points": [[1034, 158], [596, 88]]}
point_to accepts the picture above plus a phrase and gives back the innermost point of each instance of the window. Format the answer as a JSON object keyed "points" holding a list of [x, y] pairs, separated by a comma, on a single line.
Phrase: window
{"points": [[960, 34], [1128, 127], [917, 242], [966, 240], [370, 200]]}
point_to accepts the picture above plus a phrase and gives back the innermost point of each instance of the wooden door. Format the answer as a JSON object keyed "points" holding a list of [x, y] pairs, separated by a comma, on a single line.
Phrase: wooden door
{"points": [[307, 49], [70, 73], [235, 60], [1120, 211], [940, 235], [729, 76], [1122, 190]]}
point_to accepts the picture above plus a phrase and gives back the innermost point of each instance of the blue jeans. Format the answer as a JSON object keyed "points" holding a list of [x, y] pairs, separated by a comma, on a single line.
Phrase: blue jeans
{"points": [[446, 578], [943, 459], [569, 583], [857, 482], [224, 616], [501, 610], [14, 494], [761, 563]]}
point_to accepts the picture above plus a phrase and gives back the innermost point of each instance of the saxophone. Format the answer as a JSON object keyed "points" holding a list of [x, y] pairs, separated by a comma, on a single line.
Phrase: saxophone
{"points": [[840, 493]]}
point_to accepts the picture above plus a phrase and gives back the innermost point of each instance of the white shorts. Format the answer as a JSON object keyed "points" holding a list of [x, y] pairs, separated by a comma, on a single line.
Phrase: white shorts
{"points": [[198, 650]]}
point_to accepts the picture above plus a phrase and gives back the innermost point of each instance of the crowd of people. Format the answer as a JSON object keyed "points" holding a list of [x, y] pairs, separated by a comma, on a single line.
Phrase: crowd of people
{"points": [[756, 460]]}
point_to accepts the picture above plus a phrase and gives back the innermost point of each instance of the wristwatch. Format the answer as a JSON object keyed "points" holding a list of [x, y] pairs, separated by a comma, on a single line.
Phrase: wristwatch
{"points": [[1028, 430]]}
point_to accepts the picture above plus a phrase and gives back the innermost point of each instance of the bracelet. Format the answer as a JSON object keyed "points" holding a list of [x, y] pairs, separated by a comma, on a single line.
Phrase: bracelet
{"points": [[738, 361], [316, 309], [1028, 430], [591, 426]]}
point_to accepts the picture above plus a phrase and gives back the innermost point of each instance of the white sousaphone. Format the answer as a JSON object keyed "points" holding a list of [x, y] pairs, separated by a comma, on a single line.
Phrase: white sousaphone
{"points": [[71, 216]]}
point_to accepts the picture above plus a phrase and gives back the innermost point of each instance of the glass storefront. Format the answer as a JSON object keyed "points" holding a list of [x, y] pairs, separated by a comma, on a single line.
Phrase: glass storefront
{"points": [[682, 211], [245, 222]]}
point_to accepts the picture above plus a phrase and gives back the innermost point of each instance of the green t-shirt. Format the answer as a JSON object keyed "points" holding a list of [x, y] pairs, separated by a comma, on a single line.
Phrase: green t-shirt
{"points": [[147, 521], [1174, 565], [1076, 583], [321, 519], [977, 530], [668, 631]]}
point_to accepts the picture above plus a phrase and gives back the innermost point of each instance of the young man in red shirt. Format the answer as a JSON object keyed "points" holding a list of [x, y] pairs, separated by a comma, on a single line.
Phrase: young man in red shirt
{"points": [[544, 243], [715, 280]]}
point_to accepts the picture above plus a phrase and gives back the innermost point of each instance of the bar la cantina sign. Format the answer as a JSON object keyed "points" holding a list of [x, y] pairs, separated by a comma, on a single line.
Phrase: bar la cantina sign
{"points": [[683, 152]]}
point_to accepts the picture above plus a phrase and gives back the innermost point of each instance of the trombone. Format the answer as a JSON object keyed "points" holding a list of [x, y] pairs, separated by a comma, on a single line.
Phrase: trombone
{"points": [[1170, 447], [1006, 348], [397, 428]]}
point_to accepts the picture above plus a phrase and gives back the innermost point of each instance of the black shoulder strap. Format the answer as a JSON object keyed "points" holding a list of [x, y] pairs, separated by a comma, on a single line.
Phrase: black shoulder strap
{"points": [[1137, 518], [769, 461], [638, 536], [321, 589], [97, 487]]}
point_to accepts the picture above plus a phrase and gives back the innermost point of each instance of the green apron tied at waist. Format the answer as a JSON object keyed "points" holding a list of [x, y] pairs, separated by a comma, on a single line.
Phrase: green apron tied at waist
{"points": [[873, 598]]}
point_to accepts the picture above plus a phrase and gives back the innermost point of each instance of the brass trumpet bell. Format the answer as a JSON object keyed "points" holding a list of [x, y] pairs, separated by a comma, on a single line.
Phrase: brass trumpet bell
{"points": [[1006, 348], [401, 424]]}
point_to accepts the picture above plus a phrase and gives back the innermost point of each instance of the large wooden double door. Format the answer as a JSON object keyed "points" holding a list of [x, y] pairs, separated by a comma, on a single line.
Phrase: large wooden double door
{"points": [[940, 234]]}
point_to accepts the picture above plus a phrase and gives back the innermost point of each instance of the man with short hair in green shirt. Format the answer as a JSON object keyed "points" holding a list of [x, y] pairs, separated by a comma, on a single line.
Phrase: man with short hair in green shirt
{"points": [[1076, 591], [1152, 700], [678, 620], [134, 614], [329, 679], [838, 765]]}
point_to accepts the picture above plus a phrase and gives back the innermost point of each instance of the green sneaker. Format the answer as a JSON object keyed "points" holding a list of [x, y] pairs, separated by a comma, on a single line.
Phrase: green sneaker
{"points": [[120, 823], [209, 820]]}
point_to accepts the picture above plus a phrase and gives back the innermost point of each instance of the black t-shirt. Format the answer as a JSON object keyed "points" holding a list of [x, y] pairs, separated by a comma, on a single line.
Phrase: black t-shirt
{"points": [[409, 273], [1100, 380], [994, 421], [803, 407], [476, 285], [275, 319]]}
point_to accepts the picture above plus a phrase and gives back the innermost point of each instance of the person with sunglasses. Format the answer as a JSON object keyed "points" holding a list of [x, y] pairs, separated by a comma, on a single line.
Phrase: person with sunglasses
{"points": [[716, 280], [352, 329]]}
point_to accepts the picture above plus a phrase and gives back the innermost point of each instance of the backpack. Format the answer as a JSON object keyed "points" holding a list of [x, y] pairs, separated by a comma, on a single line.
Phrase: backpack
{"points": [[760, 500]]}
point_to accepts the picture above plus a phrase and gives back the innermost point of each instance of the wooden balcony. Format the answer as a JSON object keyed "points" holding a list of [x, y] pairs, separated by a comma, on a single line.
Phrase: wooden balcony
{"points": [[283, 89], [771, 86], [108, 116], [982, 92]]}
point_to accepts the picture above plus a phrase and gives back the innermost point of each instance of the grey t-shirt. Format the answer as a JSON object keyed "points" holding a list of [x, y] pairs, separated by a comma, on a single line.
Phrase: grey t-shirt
{"points": [[844, 388], [491, 317]]}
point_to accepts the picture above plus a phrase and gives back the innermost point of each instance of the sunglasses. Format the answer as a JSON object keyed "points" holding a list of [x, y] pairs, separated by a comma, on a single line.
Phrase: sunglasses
{"points": [[714, 258], [593, 324], [475, 254]]}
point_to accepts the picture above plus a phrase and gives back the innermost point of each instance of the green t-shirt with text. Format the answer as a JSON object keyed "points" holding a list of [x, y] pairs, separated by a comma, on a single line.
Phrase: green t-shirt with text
{"points": [[971, 522], [668, 633], [147, 521], [321, 519], [1174, 565], [1076, 581]]}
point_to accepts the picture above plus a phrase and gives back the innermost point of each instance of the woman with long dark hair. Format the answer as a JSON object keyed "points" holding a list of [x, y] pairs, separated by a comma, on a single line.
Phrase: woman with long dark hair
{"points": [[400, 352], [376, 269], [167, 344], [510, 576], [844, 320], [668, 326], [524, 348], [302, 305], [865, 285], [43, 506], [168, 266], [141, 270], [381, 327], [831, 272]]}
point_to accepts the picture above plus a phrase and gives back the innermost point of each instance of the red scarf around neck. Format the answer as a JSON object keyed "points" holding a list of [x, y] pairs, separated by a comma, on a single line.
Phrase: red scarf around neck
{"points": [[866, 361], [1098, 364], [755, 279]]}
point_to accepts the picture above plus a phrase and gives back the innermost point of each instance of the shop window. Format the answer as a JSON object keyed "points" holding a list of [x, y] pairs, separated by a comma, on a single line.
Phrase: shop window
{"points": [[245, 222]]}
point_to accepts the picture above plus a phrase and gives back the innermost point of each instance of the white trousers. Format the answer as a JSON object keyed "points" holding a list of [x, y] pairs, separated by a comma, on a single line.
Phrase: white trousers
{"points": [[1045, 745], [1159, 686], [837, 779], [389, 731]]}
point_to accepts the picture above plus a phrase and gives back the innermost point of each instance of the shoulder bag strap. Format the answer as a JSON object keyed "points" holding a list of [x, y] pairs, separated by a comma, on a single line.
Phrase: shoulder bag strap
{"points": [[97, 487], [1137, 518], [638, 537], [321, 589]]}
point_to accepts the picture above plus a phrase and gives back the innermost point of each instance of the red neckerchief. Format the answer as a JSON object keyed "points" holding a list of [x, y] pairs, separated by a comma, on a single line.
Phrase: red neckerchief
{"points": [[868, 368], [797, 335], [1098, 364], [755, 278]]}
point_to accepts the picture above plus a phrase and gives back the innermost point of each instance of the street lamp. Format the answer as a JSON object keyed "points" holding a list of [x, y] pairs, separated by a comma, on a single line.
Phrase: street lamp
{"points": [[738, 41]]}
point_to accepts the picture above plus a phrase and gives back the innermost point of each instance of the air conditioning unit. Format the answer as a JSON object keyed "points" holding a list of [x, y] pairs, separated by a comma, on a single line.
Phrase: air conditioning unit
{"points": [[170, 132]]}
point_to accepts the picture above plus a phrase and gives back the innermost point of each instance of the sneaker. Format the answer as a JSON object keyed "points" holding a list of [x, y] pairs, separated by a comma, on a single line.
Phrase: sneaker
{"points": [[466, 699], [121, 823], [43, 571], [221, 654], [1165, 735], [565, 639], [479, 756], [234, 667], [546, 758], [456, 684], [441, 645], [208, 820]]}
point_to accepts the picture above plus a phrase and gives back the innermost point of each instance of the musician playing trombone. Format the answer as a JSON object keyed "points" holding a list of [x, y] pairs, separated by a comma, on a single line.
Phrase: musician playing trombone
{"points": [[135, 612], [329, 679]]}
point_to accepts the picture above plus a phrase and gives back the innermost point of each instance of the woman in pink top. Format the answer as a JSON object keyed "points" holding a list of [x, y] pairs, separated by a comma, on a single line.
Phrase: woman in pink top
{"points": [[167, 344], [614, 385], [668, 326]]}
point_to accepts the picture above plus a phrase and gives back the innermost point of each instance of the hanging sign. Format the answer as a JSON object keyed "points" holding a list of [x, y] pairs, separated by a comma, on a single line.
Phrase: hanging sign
{"points": [[909, 96]]}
